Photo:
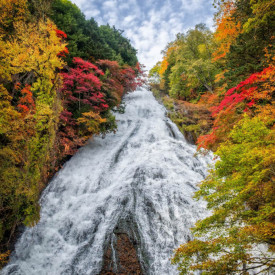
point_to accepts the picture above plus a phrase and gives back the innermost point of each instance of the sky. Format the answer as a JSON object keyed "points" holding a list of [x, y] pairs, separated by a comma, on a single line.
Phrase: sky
{"points": [[149, 24]]}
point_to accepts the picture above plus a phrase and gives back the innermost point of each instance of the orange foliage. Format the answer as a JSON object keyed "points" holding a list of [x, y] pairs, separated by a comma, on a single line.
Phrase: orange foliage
{"points": [[209, 99], [164, 64], [26, 102], [252, 96], [227, 30], [163, 67], [206, 141], [4, 258]]}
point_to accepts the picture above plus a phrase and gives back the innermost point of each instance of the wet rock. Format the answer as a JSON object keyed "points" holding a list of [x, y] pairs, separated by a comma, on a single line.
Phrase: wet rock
{"points": [[121, 257]]}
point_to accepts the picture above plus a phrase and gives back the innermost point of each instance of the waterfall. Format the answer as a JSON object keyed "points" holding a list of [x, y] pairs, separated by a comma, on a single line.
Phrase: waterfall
{"points": [[140, 179]]}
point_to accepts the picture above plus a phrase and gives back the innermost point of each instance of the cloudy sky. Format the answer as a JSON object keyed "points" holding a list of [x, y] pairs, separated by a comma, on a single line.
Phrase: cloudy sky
{"points": [[149, 24]]}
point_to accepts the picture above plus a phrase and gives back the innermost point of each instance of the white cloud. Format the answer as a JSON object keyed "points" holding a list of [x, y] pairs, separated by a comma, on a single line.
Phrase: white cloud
{"points": [[149, 24], [92, 13], [111, 4], [79, 3]]}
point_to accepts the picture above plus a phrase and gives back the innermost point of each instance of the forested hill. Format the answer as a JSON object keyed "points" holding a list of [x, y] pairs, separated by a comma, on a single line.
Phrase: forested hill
{"points": [[219, 89], [60, 77], [88, 40]]}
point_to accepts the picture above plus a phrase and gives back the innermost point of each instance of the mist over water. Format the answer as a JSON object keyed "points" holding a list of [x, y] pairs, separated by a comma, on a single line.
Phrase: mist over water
{"points": [[141, 179]]}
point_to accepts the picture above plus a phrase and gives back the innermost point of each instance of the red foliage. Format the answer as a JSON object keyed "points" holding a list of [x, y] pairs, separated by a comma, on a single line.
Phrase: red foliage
{"points": [[86, 65], [26, 103], [207, 140], [81, 86], [17, 86], [87, 88], [64, 52], [229, 102], [120, 80], [244, 91], [81, 92], [128, 78], [245, 96], [113, 82], [61, 34]]}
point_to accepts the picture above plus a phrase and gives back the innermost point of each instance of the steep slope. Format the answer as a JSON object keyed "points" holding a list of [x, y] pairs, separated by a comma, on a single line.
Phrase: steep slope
{"points": [[139, 181]]}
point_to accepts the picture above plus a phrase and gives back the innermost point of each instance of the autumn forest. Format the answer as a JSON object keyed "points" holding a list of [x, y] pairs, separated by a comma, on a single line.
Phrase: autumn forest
{"points": [[63, 79]]}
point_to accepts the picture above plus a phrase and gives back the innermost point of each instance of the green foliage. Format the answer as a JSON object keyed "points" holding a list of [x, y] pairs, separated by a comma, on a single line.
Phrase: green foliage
{"points": [[187, 69], [263, 16], [124, 52], [89, 41], [247, 53], [196, 50], [240, 193], [68, 18], [154, 74], [168, 103], [109, 125]]}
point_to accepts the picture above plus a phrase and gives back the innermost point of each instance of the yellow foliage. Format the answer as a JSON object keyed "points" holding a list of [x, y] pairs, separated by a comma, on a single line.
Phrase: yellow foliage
{"points": [[4, 258], [164, 64], [34, 48], [91, 121], [220, 76], [29, 52], [163, 67], [12, 11], [202, 49]]}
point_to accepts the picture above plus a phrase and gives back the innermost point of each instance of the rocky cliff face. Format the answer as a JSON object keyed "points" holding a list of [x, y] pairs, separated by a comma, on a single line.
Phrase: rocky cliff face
{"points": [[193, 120]]}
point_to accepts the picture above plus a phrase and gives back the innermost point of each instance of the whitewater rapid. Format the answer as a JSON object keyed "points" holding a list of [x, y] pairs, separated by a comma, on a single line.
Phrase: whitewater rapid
{"points": [[145, 174]]}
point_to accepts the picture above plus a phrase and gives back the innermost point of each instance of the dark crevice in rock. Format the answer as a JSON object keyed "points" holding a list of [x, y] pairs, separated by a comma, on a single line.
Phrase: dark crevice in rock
{"points": [[123, 254], [121, 257], [170, 129]]}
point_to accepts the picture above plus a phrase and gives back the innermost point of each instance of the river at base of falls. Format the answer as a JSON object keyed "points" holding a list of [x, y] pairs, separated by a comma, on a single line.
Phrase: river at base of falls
{"points": [[142, 179]]}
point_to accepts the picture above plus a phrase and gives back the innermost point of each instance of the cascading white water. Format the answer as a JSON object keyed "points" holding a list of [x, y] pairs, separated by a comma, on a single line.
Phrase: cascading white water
{"points": [[146, 173]]}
